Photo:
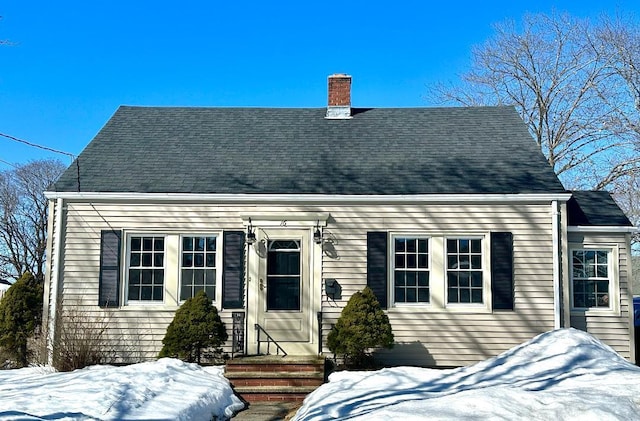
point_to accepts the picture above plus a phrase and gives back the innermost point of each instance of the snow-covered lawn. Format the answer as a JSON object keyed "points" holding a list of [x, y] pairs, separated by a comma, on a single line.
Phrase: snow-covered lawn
{"points": [[167, 389], [560, 375]]}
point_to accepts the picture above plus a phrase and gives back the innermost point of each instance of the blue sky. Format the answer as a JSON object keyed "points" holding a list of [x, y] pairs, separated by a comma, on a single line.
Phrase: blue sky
{"points": [[74, 62]]}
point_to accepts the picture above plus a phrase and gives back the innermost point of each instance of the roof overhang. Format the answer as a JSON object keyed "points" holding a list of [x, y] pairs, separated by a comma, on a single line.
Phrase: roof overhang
{"points": [[308, 198]]}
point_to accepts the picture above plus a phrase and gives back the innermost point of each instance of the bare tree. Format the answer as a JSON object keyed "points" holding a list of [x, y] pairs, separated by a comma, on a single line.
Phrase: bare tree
{"points": [[574, 83], [23, 217], [622, 37], [626, 193]]}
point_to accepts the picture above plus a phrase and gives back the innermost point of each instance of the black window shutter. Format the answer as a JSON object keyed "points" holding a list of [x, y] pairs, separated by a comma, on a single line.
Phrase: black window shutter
{"points": [[109, 280], [502, 270], [377, 265], [233, 270]]}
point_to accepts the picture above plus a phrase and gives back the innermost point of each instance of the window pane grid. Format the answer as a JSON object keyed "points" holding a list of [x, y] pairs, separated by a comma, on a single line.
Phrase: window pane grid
{"points": [[590, 269], [411, 270], [198, 266], [146, 268], [464, 270]]}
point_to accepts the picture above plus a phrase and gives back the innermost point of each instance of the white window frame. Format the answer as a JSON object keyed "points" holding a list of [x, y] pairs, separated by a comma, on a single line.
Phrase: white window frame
{"points": [[392, 260], [218, 262], [127, 249], [438, 273], [485, 250], [614, 283]]}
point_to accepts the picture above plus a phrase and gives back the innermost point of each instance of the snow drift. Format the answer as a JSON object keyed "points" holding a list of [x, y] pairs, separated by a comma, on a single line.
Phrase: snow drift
{"points": [[563, 374], [167, 389]]}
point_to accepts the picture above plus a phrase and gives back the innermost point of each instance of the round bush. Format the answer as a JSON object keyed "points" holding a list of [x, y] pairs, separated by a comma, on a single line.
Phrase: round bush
{"points": [[195, 327]]}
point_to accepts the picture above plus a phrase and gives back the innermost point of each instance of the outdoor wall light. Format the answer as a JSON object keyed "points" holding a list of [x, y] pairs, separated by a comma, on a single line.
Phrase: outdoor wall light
{"points": [[251, 235], [317, 234]]}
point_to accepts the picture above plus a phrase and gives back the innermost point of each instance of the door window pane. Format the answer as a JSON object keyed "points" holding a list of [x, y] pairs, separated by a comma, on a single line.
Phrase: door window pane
{"points": [[283, 275]]}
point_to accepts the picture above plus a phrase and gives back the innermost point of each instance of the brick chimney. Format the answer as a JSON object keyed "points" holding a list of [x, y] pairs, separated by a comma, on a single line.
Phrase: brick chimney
{"points": [[339, 106]]}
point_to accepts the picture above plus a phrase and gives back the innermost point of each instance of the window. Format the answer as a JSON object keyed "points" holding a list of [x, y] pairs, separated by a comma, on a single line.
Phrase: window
{"points": [[591, 279], [283, 275], [411, 270], [145, 268], [464, 270], [198, 266]]}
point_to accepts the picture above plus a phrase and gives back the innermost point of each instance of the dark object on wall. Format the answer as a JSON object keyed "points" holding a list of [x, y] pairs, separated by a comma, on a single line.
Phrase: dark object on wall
{"points": [[333, 289]]}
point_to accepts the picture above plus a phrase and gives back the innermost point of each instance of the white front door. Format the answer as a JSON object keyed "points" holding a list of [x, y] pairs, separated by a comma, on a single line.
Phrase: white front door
{"points": [[283, 290]]}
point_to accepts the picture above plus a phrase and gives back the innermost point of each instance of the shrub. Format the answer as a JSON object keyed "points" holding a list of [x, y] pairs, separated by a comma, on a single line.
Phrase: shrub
{"points": [[81, 339], [20, 315], [195, 327], [362, 325]]}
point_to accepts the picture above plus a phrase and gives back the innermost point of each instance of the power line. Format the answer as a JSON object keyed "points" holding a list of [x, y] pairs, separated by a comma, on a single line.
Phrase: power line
{"points": [[34, 145], [8, 163]]}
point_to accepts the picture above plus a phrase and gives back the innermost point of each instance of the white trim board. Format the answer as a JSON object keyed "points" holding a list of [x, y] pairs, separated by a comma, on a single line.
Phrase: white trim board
{"points": [[602, 228], [310, 198]]}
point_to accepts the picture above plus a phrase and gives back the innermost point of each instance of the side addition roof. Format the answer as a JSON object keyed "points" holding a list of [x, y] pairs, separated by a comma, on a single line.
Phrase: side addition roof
{"points": [[379, 151], [595, 208]]}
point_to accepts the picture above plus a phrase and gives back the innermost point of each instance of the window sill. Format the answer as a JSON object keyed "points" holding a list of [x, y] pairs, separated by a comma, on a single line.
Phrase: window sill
{"points": [[430, 308], [145, 306], [605, 312], [468, 308]]}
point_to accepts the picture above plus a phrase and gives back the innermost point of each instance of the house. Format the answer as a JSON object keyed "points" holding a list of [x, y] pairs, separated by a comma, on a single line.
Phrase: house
{"points": [[451, 215], [4, 286]]}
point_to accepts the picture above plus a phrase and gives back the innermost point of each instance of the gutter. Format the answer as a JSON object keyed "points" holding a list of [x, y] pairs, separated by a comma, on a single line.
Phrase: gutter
{"points": [[310, 198], [603, 228]]}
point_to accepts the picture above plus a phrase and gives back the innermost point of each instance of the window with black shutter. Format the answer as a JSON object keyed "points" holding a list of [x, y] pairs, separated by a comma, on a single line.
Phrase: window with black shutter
{"points": [[109, 279], [502, 289], [233, 269], [377, 265]]}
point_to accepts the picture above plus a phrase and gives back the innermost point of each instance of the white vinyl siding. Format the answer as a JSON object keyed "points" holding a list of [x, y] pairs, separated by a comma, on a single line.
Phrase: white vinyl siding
{"points": [[424, 335]]}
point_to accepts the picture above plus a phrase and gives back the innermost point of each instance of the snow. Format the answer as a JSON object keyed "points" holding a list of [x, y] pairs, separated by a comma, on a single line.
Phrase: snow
{"points": [[564, 374], [167, 389], [560, 375]]}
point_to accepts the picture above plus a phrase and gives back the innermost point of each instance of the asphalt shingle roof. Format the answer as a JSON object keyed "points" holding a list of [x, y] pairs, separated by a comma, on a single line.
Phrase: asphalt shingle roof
{"points": [[595, 208], [380, 151]]}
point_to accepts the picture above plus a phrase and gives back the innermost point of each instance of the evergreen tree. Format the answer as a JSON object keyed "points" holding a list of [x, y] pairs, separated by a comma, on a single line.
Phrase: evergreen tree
{"points": [[195, 327], [362, 325], [20, 315]]}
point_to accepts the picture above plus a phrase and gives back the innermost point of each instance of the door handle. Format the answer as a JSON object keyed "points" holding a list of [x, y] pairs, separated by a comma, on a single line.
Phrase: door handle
{"points": [[262, 285]]}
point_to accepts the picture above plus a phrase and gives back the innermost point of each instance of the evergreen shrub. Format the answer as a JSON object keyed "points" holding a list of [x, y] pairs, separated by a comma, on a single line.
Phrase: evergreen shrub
{"points": [[20, 316], [362, 326], [195, 328]]}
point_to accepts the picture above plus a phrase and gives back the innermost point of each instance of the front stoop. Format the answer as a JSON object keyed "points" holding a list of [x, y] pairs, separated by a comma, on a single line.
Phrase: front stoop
{"points": [[274, 378]]}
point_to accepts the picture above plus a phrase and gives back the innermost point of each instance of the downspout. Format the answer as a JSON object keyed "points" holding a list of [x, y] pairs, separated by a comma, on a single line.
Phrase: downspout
{"points": [[557, 296], [55, 279], [632, 331]]}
